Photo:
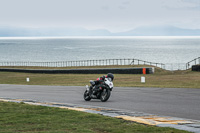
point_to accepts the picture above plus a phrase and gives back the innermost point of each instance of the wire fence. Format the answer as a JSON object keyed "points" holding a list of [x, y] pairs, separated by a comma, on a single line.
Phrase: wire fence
{"points": [[175, 66], [196, 61], [105, 62]]}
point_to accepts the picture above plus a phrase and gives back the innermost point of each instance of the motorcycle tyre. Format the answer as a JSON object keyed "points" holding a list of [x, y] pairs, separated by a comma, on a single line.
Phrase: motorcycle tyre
{"points": [[86, 96], [107, 97]]}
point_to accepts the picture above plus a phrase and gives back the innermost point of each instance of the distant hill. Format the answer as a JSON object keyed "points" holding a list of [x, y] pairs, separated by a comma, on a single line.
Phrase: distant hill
{"points": [[160, 31], [22, 32], [140, 31]]}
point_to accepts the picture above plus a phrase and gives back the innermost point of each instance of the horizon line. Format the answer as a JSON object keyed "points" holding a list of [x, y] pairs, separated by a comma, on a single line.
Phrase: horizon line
{"points": [[63, 37]]}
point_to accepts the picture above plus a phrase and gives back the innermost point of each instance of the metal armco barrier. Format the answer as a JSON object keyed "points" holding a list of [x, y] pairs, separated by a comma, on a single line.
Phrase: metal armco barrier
{"points": [[85, 71]]}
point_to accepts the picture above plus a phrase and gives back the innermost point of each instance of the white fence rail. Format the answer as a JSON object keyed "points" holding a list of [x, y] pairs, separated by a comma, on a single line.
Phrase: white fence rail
{"points": [[103, 62]]}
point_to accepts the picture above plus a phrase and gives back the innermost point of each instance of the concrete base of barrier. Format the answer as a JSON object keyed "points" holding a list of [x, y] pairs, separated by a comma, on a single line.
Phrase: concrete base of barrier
{"points": [[196, 68], [86, 71]]}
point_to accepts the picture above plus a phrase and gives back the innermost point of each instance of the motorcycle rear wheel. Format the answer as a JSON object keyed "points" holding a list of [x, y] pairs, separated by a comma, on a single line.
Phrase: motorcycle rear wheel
{"points": [[105, 95], [86, 96]]}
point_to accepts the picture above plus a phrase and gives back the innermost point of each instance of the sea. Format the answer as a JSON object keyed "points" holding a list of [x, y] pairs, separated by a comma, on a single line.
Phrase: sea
{"points": [[159, 49]]}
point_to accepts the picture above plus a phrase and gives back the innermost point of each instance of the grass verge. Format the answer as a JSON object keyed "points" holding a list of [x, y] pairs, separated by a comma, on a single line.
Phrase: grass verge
{"points": [[20, 117], [161, 78]]}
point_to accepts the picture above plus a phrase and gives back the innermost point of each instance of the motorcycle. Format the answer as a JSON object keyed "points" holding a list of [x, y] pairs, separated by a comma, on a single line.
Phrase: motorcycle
{"points": [[105, 88]]}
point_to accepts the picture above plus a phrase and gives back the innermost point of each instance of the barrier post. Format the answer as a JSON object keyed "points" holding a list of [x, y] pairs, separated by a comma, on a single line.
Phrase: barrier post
{"points": [[144, 70]]}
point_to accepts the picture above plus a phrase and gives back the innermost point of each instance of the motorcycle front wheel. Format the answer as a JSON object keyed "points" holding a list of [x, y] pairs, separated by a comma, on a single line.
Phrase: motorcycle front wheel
{"points": [[105, 95], [86, 96]]}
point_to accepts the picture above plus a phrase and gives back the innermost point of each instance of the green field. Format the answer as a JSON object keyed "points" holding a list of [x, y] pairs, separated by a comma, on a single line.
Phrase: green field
{"points": [[28, 118], [20, 117], [161, 78]]}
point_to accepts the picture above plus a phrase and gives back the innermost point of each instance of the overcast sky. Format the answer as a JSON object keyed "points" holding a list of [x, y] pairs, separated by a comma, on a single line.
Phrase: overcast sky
{"points": [[113, 15]]}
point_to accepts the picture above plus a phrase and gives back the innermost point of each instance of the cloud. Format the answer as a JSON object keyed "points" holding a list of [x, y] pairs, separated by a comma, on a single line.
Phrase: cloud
{"points": [[115, 15], [191, 1], [182, 4], [126, 2], [124, 5], [105, 8]]}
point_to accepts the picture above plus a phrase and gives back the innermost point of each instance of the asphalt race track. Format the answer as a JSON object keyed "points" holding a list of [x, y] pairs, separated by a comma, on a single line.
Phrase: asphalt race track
{"points": [[175, 102]]}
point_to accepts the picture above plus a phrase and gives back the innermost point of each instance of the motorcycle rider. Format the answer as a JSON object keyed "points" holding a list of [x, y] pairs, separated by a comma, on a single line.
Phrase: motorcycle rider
{"points": [[98, 82]]}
